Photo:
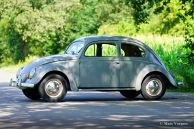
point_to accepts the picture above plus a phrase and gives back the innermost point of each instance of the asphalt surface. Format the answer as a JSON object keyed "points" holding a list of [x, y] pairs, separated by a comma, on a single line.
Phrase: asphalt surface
{"points": [[88, 110]]}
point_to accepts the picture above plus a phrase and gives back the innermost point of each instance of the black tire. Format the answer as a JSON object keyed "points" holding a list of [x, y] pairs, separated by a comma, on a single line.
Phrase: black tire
{"points": [[58, 92], [153, 81], [130, 94], [31, 93]]}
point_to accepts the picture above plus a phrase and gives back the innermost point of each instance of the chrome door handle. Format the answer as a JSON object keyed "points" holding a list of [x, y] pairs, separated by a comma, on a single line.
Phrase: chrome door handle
{"points": [[117, 62]]}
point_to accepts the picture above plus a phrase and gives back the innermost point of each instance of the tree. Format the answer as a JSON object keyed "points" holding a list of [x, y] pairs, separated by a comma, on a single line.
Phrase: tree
{"points": [[188, 18], [31, 28]]}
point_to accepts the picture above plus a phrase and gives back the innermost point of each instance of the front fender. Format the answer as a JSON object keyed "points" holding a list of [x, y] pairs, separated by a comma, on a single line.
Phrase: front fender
{"points": [[64, 68], [153, 68]]}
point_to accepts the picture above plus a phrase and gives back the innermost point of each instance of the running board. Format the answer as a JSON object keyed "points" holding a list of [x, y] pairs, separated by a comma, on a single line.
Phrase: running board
{"points": [[105, 89]]}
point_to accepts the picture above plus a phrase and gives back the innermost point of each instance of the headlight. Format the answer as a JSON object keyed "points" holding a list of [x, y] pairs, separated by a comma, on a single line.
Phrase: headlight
{"points": [[32, 72]]}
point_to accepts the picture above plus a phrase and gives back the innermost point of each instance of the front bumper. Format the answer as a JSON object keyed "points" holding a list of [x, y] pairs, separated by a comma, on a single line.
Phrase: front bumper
{"points": [[20, 85]]}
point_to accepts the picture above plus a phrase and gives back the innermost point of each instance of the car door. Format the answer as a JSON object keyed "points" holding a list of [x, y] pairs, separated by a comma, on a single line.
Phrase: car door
{"points": [[99, 66], [131, 62]]}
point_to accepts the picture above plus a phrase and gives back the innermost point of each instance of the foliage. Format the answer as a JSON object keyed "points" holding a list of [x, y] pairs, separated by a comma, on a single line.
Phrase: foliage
{"points": [[121, 28], [31, 28], [81, 20], [189, 31], [43, 27]]}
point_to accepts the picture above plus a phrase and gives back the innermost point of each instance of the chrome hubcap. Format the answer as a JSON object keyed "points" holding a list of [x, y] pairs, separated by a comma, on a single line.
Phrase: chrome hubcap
{"points": [[54, 88], [154, 87]]}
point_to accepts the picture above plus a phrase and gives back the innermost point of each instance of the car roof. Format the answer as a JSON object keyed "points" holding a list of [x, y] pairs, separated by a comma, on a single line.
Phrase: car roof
{"points": [[89, 39]]}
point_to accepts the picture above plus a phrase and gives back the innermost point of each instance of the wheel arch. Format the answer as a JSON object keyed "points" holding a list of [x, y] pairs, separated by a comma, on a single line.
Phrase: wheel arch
{"points": [[55, 72], [168, 83]]}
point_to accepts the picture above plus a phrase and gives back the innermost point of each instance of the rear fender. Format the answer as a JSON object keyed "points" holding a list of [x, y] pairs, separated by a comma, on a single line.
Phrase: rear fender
{"points": [[152, 69]]}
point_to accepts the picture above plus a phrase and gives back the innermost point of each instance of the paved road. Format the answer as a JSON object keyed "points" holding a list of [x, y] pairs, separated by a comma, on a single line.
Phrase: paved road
{"points": [[95, 110], [92, 110]]}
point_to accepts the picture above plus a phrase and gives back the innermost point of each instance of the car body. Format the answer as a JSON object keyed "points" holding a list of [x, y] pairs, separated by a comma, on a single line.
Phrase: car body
{"points": [[103, 63]]}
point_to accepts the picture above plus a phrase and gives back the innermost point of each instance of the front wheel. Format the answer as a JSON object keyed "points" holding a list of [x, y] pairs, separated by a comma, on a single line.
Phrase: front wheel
{"points": [[53, 88], [31, 93], [153, 87]]}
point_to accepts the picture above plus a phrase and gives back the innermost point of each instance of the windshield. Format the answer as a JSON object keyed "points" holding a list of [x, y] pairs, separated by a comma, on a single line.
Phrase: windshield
{"points": [[75, 48]]}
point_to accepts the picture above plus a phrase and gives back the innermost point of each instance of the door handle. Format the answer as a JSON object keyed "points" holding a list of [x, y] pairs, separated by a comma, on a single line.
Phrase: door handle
{"points": [[117, 62]]}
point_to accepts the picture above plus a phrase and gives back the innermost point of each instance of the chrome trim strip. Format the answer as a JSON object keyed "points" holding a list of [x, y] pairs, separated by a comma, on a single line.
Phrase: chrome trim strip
{"points": [[107, 89]]}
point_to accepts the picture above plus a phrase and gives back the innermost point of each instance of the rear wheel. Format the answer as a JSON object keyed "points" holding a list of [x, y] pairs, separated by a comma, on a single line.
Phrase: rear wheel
{"points": [[31, 93], [53, 88], [153, 87], [130, 94]]}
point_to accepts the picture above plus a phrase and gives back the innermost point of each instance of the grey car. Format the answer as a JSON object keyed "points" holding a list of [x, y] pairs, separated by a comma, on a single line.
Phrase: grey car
{"points": [[100, 63]]}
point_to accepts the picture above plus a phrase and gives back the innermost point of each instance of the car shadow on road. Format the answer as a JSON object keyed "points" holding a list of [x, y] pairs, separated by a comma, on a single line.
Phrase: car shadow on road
{"points": [[106, 96], [11, 93], [99, 99]]}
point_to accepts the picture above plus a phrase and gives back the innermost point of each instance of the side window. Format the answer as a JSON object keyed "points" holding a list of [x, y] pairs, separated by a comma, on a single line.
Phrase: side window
{"points": [[130, 50], [109, 50], [91, 50], [101, 50]]}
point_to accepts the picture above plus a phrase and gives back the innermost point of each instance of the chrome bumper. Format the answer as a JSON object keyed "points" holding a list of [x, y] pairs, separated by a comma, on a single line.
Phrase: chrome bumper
{"points": [[180, 84], [20, 85]]}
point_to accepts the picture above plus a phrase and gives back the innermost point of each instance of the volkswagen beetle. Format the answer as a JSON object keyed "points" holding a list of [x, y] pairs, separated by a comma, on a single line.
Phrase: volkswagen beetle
{"points": [[101, 63]]}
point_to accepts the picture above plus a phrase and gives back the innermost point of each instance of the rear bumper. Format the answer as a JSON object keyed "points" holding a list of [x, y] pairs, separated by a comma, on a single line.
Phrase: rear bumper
{"points": [[178, 85], [20, 85]]}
